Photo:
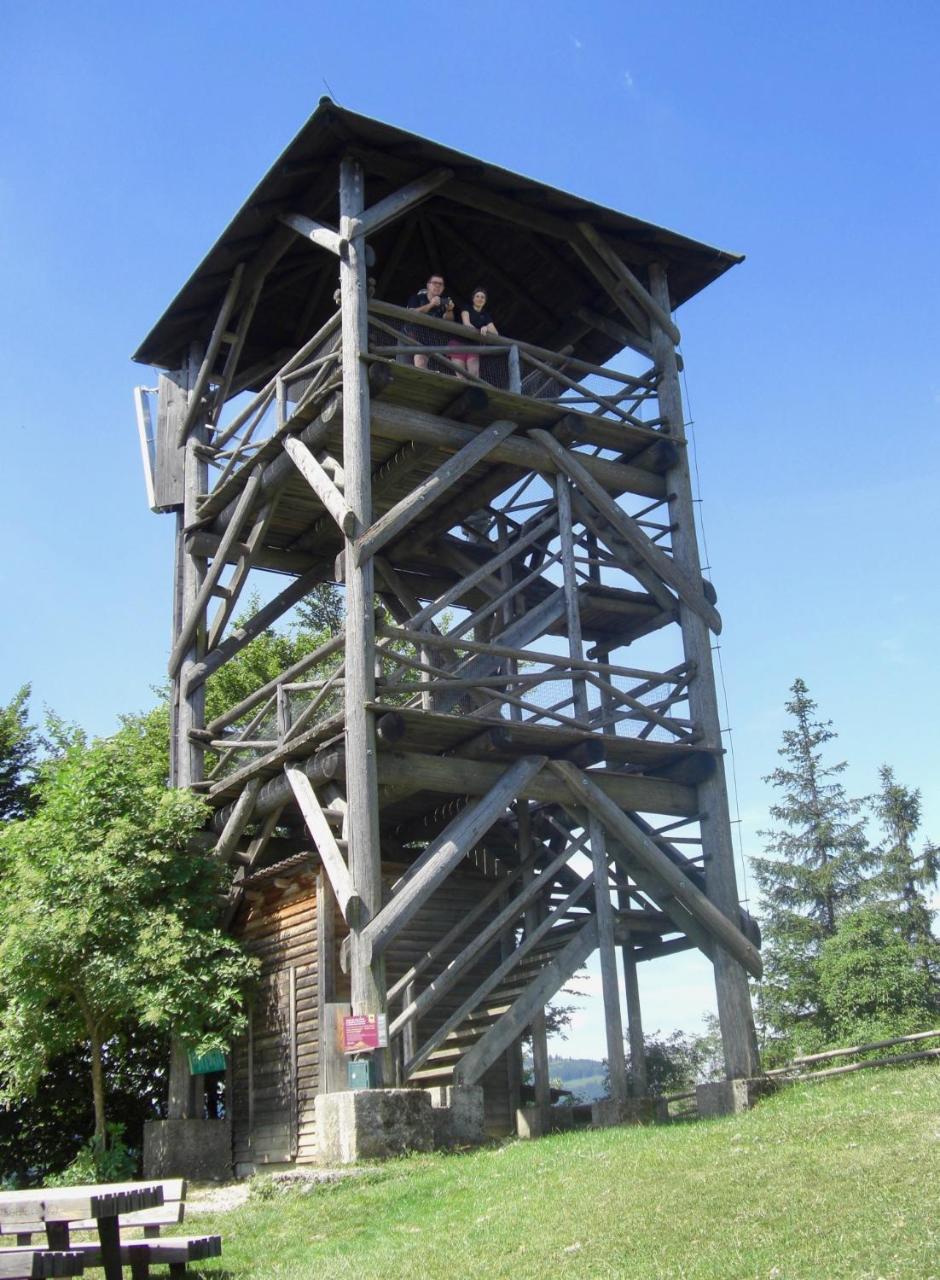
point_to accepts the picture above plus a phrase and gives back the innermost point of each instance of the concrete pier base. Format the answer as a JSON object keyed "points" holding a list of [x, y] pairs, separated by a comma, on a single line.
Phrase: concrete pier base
{"points": [[457, 1115], [200, 1150], [372, 1124], [536, 1122], [731, 1097]]}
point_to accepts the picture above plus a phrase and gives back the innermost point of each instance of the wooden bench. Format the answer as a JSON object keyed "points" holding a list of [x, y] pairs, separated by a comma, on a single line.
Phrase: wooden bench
{"points": [[29, 1264], [176, 1252]]}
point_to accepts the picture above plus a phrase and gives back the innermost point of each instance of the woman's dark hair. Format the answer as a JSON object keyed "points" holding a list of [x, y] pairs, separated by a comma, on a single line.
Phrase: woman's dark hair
{"points": [[479, 288]]}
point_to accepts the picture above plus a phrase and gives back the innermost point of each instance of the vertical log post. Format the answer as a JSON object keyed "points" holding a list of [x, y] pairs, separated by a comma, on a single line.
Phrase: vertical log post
{"points": [[186, 754], [367, 979], [604, 910], [540, 1073], [734, 1003]]}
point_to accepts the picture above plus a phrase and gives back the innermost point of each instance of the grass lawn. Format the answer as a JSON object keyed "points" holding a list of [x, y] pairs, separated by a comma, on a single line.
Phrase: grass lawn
{"points": [[829, 1180]]}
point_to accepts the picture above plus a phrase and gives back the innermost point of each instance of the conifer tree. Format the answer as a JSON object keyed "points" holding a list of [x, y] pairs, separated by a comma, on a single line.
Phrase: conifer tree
{"points": [[904, 876], [816, 871]]}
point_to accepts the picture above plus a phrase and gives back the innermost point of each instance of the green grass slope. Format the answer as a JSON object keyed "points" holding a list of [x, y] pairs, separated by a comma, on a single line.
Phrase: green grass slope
{"points": [[830, 1180]]}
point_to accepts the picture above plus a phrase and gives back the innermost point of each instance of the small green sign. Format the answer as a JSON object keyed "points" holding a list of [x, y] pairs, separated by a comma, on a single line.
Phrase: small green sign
{"points": [[201, 1064]]}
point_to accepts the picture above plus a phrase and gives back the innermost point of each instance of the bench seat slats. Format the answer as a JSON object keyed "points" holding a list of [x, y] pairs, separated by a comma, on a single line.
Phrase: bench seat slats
{"points": [[30, 1264]]}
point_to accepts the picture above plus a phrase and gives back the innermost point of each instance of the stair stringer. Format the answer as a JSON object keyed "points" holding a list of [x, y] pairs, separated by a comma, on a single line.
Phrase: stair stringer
{"points": [[520, 1014]]}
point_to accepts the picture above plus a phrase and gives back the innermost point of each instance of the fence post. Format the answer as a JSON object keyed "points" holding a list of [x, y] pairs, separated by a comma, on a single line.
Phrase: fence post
{"points": [[515, 373]]}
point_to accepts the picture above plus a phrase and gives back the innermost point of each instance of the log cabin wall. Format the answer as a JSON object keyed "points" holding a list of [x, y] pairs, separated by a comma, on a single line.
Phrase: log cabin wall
{"points": [[276, 1071], [276, 1065]]}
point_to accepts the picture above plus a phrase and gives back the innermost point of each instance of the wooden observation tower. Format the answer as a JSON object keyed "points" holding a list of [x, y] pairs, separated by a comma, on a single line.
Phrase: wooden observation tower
{"points": [[510, 757]]}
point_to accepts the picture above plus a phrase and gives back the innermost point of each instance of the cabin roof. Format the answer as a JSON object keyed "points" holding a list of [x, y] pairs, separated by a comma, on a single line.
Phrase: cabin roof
{"points": [[485, 226]]}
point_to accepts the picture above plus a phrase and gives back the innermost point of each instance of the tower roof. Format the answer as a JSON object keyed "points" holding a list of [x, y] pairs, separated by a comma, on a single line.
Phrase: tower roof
{"points": [[485, 225]]}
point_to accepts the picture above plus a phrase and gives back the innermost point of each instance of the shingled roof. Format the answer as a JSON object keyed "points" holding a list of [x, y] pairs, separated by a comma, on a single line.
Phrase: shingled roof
{"points": [[485, 225]]}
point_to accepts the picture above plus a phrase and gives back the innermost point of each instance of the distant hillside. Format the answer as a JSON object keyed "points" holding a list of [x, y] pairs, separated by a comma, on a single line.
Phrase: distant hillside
{"points": [[583, 1076]]}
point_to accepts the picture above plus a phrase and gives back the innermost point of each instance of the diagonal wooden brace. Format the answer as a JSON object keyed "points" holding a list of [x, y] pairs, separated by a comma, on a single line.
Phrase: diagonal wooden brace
{"points": [[347, 898], [321, 484], [443, 854], [643, 849], [401, 201], [429, 490], [625, 276], [688, 591], [191, 622]]}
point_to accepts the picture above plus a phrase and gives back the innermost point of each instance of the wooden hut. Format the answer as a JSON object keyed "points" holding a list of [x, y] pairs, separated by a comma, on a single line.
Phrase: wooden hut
{"points": [[492, 772]]}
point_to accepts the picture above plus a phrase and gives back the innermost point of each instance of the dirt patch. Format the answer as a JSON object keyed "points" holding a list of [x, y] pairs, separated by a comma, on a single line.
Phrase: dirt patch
{"points": [[221, 1197]]}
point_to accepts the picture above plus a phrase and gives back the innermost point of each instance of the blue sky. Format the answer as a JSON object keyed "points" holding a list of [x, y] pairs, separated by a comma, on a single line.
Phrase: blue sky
{"points": [[802, 135]]}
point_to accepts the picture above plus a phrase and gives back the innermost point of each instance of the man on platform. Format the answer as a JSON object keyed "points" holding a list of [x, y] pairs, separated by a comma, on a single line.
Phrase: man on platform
{"points": [[431, 301]]}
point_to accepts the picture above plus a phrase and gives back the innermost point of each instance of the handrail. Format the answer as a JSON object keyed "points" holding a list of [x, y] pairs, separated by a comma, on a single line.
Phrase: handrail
{"points": [[423, 321]]}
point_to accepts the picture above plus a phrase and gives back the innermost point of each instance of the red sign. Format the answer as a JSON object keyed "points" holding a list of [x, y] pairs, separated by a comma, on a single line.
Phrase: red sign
{"points": [[364, 1032]]}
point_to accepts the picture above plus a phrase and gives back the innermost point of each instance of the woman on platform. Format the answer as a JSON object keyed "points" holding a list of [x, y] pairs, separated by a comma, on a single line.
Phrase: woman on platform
{"points": [[476, 316]]}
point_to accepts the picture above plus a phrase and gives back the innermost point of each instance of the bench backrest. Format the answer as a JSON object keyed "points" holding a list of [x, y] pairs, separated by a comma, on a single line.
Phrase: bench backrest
{"points": [[170, 1213]]}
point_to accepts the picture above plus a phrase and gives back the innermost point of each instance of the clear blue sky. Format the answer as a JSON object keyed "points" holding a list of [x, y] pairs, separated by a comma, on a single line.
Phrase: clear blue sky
{"points": [[802, 135]]}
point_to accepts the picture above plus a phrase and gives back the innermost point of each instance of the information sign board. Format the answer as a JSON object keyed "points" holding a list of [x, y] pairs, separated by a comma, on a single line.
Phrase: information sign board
{"points": [[363, 1032]]}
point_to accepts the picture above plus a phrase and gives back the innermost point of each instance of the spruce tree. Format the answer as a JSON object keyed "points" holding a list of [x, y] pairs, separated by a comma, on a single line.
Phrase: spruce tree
{"points": [[904, 876], [815, 873]]}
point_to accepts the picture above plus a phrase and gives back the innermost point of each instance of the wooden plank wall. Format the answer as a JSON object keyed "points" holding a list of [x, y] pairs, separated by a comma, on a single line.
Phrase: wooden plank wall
{"points": [[276, 1066], [275, 1076]]}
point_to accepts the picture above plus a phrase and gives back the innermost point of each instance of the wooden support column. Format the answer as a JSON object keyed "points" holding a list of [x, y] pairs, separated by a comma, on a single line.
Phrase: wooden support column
{"points": [[188, 706], [638, 1081], [365, 866], [191, 570], [613, 1022], [540, 1071], [734, 1003]]}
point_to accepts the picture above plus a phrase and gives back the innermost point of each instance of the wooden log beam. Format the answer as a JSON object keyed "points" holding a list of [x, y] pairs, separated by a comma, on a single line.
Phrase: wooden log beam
{"points": [[618, 332], [431, 489], [401, 201], [209, 583], [443, 855], [199, 672], [619, 268], [418, 772], [629, 309], [321, 484], [212, 350], [237, 821], [317, 233], [347, 899], [394, 422], [690, 592], [514, 1022], [645, 851]]}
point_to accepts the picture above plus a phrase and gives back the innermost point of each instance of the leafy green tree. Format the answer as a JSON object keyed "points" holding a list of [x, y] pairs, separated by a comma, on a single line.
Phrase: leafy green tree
{"points": [[322, 610], [18, 751], [41, 1134], [818, 869], [870, 982], [904, 875], [108, 915]]}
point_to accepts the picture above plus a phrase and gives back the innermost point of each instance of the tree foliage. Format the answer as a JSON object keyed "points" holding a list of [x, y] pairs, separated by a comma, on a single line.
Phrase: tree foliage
{"points": [[818, 871], [870, 982], [904, 875], [107, 915], [18, 751]]}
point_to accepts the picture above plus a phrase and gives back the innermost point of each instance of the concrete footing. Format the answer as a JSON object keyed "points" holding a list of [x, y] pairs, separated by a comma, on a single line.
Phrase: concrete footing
{"points": [[730, 1097], [457, 1115], [371, 1124], [535, 1122], [200, 1150]]}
